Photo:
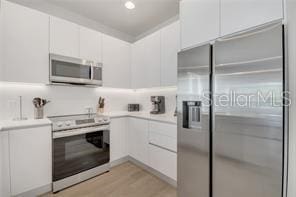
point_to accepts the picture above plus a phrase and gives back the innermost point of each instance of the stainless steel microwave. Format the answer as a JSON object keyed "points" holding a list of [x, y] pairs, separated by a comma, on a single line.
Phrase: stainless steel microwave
{"points": [[69, 70]]}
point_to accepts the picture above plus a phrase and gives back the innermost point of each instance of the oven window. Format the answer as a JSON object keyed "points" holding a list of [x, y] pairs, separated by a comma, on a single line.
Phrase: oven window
{"points": [[65, 69], [79, 153], [97, 73]]}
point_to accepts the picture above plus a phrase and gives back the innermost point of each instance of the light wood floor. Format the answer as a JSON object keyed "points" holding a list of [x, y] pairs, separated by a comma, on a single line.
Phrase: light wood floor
{"points": [[125, 180]]}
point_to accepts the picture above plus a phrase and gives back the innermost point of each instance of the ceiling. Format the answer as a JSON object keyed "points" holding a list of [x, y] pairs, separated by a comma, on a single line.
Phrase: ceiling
{"points": [[147, 14]]}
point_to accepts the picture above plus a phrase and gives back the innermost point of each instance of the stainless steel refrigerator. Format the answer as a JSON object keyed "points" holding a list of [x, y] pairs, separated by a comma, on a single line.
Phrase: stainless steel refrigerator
{"points": [[232, 144]]}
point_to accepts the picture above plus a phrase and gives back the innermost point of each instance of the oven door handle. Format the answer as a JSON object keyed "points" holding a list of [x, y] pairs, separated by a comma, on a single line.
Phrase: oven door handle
{"points": [[73, 132]]}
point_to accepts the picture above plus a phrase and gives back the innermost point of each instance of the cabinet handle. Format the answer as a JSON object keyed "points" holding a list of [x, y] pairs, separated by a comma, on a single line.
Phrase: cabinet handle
{"points": [[162, 147]]}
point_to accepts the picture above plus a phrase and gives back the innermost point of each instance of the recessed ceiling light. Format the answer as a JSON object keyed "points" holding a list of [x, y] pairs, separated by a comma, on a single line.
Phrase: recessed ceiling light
{"points": [[129, 5]]}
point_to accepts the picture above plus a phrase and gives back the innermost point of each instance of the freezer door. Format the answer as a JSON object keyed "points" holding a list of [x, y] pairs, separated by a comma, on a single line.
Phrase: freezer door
{"points": [[248, 136], [193, 121]]}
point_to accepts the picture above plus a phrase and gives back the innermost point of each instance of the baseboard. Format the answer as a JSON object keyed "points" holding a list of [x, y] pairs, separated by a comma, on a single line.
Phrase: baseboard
{"points": [[36, 192], [119, 161], [163, 177]]}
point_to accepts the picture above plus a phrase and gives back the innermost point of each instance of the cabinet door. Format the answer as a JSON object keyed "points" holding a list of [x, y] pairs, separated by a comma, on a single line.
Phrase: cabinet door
{"points": [[200, 21], [243, 14], [90, 44], [170, 46], [138, 139], [118, 138], [30, 159], [4, 165], [64, 37], [146, 62], [116, 63], [163, 161], [25, 34], [1, 42]]}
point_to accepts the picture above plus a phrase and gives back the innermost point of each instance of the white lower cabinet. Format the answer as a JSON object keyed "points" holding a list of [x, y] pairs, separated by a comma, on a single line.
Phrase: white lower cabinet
{"points": [[163, 161], [138, 139], [118, 139], [30, 159], [163, 148], [154, 144], [4, 165]]}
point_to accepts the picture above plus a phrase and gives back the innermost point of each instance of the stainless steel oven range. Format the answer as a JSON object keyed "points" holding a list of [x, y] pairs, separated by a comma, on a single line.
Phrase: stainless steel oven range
{"points": [[81, 148]]}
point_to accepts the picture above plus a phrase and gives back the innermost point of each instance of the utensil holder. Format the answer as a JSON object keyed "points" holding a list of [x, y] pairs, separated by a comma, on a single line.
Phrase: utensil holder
{"points": [[39, 113], [100, 110]]}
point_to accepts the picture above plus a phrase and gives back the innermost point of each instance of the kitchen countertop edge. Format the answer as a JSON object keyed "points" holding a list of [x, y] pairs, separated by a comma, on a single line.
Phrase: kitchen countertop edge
{"points": [[164, 118], [8, 125]]}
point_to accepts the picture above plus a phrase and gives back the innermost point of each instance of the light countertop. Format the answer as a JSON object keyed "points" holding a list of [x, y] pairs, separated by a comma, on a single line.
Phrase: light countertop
{"points": [[6, 125]]}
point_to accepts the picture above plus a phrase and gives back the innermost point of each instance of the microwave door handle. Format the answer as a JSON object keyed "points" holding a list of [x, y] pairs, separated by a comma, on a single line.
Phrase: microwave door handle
{"points": [[92, 71]]}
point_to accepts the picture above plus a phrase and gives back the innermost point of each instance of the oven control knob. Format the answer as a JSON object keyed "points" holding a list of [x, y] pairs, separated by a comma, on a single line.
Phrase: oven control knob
{"points": [[59, 124], [100, 120], [68, 123], [105, 119]]}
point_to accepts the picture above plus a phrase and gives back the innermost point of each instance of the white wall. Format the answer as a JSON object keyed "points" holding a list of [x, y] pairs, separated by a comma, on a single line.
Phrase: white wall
{"points": [[73, 100], [291, 16]]}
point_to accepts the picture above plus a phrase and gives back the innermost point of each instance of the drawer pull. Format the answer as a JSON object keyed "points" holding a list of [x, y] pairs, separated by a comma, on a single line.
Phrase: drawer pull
{"points": [[162, 147]]}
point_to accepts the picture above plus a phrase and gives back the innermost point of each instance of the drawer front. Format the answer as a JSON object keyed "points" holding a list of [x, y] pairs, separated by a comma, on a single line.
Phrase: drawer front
{"points": [[163, 135], [163, 141], [169, 130], [163, 161]]}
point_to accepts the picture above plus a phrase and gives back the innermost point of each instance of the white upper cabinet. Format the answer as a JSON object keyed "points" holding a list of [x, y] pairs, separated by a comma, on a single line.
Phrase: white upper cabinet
{"points": [[199, 21], [25, 34], [116, 63], [237, 15], [90, 44], [64, 37], [170, 46], [146, 61]]}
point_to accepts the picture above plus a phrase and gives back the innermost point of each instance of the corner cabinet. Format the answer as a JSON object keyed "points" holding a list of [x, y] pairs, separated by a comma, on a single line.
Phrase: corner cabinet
{"points": [[138, 139], [146, 62], [154, 58], [24, 47], [239, 15], [116, 63], [118, 138], [199, 21]]}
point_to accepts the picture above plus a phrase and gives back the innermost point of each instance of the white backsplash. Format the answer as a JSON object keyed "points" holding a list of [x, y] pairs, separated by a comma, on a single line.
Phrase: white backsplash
{"points": [[143, 98], [73, 100]]}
